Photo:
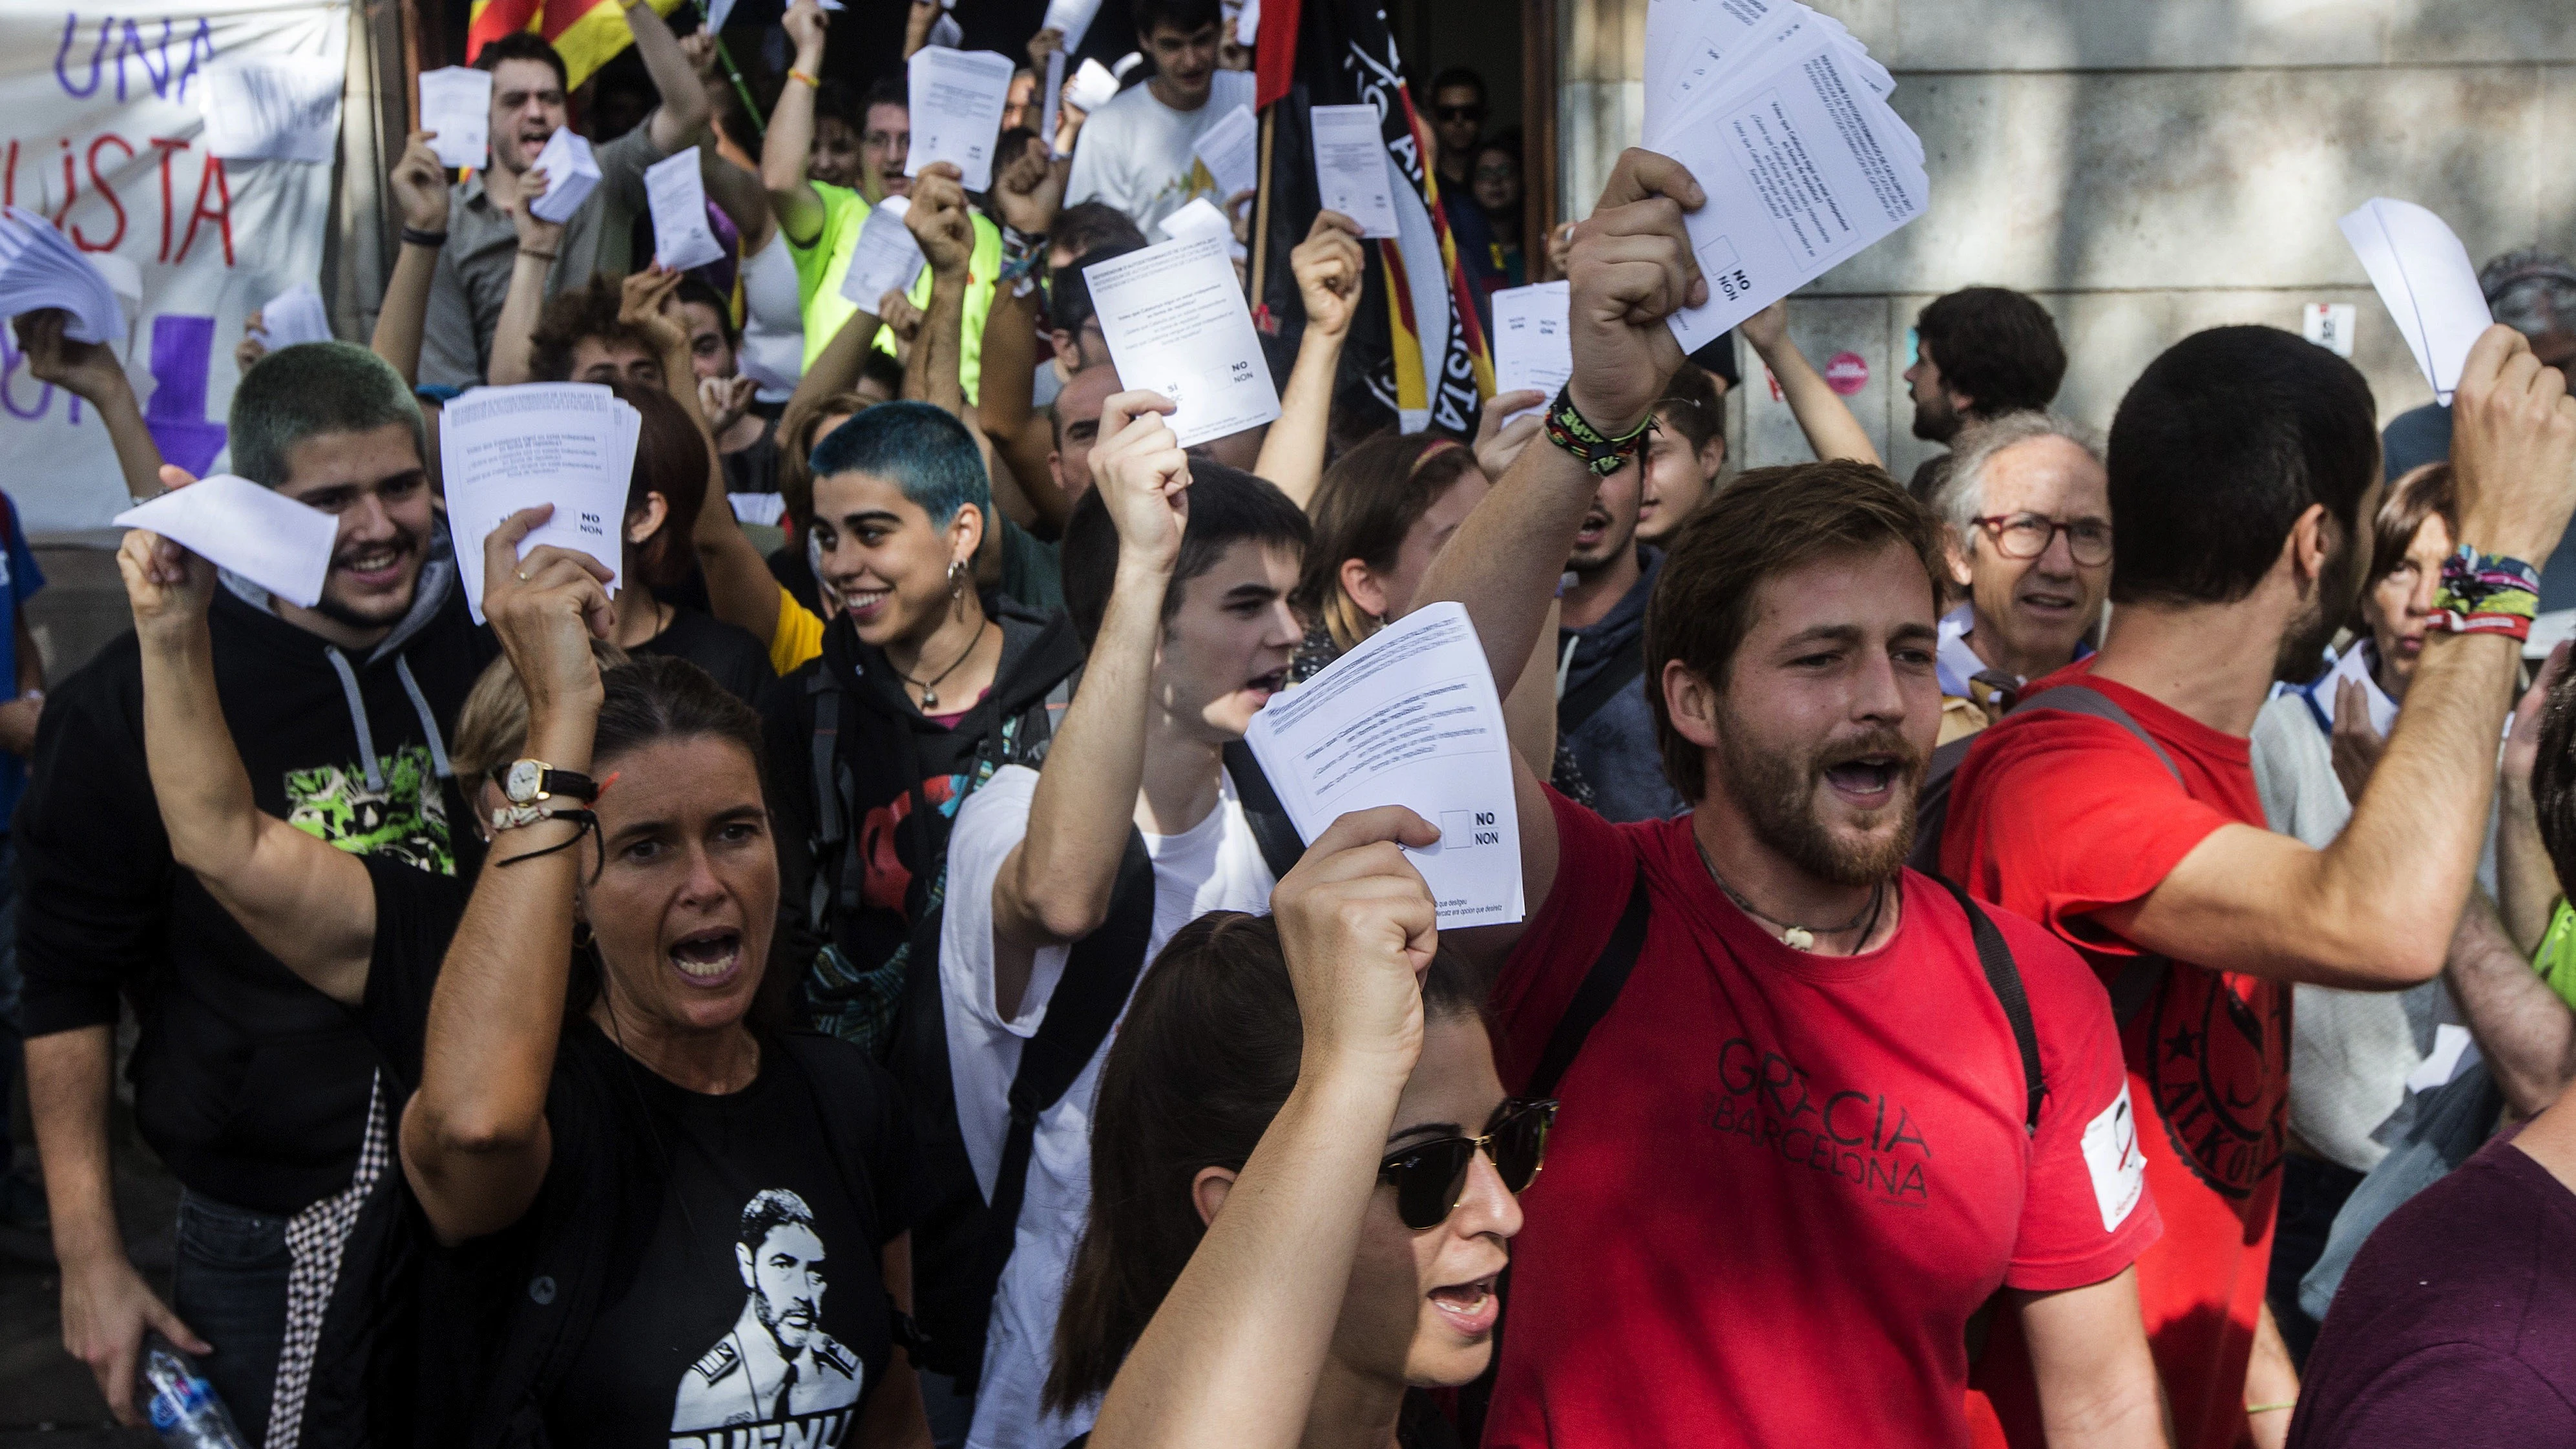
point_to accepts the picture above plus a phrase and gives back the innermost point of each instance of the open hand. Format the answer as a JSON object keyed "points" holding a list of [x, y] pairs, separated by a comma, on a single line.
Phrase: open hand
{"points": [[725, 399], [650, 305], [1144, 477], [1497, 445], [1328, 267], [1359, 928], [1631, 268]]}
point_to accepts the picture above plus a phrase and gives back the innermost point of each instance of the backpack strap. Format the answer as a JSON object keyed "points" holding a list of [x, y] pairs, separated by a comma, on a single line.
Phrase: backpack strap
{"points": [[830, 829], [2005, 978], [1281, 846], [1623, 669], [1594, 998], [2136, 985], [1098, 976]]}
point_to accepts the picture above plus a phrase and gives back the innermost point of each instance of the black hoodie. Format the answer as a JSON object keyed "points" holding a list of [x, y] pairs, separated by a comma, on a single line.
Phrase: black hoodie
{"points": [[251, 1085], [856, 870]]}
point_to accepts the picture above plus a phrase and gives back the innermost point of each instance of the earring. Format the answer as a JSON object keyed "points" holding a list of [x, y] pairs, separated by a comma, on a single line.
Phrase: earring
{"points": [[581, 935], [957, 578]]}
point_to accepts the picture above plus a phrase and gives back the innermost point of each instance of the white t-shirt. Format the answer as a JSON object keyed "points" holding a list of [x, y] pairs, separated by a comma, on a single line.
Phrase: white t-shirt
{"points": [[1134, 152], [1215, 865]]}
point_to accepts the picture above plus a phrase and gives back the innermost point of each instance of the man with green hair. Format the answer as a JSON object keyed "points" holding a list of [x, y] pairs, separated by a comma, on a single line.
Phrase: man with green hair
{"points": [[256, 1090]]}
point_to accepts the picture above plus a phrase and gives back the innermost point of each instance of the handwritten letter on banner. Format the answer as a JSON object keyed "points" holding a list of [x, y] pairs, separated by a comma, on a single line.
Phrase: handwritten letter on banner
{"points": [[103, 131]]}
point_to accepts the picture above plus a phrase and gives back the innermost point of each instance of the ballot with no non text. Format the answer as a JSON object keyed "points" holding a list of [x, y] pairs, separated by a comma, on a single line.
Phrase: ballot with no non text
{"points": [[1410, 717], [1176, 324], [571, 444]]}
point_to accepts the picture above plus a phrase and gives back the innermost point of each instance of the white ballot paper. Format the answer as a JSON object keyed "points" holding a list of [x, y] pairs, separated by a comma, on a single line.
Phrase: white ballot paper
{"points": [[1247, 23], [885, 258], [1531, 348], [1070, 18], [284, 108], [945, 32], [1094, 86], [1802, 168], [1352, 173], [681, 237], [40, 268], [957, 101], [1176, 323], [2426, 278], [1409, 718], [258, 533], [456, 104], [1231, 152], [571, 444], [1053, 98], [1198, 218], [294, 316], [572, 173]]}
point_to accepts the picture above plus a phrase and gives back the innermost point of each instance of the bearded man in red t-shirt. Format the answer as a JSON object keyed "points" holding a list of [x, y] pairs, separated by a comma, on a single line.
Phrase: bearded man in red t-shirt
{"points": [[1815, 1131], [2242, 465]]}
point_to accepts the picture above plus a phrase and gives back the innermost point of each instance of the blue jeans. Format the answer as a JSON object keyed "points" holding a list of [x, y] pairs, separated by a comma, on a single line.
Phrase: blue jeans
{"points": [[229, 1284]]}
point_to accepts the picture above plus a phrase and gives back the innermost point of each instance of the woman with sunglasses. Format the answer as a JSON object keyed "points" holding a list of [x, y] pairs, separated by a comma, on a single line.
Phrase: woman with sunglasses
{"points": [[1303, 1173]]}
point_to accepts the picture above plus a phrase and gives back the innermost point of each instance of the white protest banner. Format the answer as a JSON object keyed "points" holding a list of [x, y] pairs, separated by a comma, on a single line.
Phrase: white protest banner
{"points": [[272, 110], [104, 137]]}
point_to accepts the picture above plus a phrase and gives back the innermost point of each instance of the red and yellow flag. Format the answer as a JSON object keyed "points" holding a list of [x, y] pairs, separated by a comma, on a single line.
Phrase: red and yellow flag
{"points": [[586, 33]]}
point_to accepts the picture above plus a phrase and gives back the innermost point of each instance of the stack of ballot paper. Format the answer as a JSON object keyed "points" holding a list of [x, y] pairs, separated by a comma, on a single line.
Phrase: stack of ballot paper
{"points": [[502, 449], [1174, 317], [2425, 276], [1094, 86], [40, 268], [258, 533], [678, 198], [1782, 118], [294, 316], [1409, 718], [572, 173]]}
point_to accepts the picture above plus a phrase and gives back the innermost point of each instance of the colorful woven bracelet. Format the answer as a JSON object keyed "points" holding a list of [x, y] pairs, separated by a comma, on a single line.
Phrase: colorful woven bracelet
{"points": [[2486, 594], [1597, 450]]}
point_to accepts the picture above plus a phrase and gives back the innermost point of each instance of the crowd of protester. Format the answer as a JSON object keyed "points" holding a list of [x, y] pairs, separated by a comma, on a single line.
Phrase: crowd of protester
{"points": [[1997, 949]]}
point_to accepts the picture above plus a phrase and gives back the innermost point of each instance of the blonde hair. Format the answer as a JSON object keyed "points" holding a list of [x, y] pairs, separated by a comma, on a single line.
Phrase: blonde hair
{"points": [[492, 728]]}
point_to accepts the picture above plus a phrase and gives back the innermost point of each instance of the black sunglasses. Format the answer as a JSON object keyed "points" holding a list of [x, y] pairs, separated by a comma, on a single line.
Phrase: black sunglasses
{"points": [[1459, 113], [1430, 1177]]}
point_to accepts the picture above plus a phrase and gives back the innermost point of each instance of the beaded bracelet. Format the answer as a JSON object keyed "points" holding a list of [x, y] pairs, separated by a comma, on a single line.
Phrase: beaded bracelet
{"points": [[1597, 450], [2486, 594]]}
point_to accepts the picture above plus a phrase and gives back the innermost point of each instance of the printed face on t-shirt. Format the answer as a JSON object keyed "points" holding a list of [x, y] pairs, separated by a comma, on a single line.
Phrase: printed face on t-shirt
{"points": [[684, 899], [1422, 1305], [1818, 744], [775, 1364], [1230, 641]]}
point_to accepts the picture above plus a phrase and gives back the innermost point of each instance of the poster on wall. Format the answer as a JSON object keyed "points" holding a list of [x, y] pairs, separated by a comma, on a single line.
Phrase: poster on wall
{"points": [[103, 131]]}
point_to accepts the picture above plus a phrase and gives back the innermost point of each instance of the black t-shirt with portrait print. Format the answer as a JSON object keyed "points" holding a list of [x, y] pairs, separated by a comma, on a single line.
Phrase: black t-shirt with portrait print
{"points": [[692, 1264]]}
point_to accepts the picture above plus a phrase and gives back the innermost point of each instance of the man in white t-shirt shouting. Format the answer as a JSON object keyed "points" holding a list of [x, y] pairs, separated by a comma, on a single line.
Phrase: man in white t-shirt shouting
{"points": [[1177, 573], [1135, 151]]}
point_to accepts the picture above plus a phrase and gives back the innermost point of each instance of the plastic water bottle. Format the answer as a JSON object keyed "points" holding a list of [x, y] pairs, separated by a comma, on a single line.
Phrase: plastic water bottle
{"points": [[183, 1407]]}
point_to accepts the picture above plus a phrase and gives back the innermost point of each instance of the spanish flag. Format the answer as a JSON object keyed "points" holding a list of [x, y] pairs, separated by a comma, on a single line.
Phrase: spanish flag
{"points": [[586, 33]]}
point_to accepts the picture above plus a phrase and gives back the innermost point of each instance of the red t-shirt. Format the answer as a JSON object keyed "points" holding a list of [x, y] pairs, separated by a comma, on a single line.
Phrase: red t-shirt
{"points": [[1781, 1183], [2054, 816]]}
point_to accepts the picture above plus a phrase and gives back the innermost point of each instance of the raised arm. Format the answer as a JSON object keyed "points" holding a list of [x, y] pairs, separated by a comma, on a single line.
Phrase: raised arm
{"points": [[540, 242], [940, 222], [1631, 267], [1328, 268], [2376, 909], [2527, 888], [790, 137], [735, 191], [2525, 1033], [1054, 887], [916, 25], [305, 902], [420, 192], [90, 372], [682, 117], [1234, 1350], [1028, 191], [1831, 429], [475, 1144]]}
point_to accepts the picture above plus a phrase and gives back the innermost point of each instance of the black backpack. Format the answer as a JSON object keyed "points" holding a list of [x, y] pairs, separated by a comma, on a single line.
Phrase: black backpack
{"points": [[962, 1240]]}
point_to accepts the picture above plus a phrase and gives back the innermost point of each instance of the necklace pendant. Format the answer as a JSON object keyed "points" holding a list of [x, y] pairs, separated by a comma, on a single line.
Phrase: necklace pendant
{"points": [[1798, 938], [930, 699]]}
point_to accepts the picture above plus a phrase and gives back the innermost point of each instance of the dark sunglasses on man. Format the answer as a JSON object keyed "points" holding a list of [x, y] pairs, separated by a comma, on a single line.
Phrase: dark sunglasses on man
{"points": [[1459, 113], [1430, 1177]]}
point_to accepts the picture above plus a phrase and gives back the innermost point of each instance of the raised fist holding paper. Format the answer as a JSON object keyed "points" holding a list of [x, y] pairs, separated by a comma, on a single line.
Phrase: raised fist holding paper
{"points": [[167, 586], [1358, 926], [1631, 267], [1329, 266], [939, 220], [2513, 449], [1143, 478]]}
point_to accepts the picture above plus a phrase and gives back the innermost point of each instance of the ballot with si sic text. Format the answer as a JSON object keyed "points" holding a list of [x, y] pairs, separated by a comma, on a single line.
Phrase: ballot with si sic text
{"points": [[1410, 717], [1176, 324]]}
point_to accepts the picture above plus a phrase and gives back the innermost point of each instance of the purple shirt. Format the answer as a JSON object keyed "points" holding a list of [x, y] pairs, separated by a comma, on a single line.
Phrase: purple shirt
{"points": [[2457, 1322]]}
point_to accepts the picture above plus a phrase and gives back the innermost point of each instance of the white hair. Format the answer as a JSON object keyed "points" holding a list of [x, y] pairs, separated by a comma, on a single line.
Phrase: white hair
{"points": [[1961, 500]]}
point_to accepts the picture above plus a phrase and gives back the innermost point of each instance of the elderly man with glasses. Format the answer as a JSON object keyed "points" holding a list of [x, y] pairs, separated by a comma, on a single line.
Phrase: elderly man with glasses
{"points": [[2028, 510]]}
